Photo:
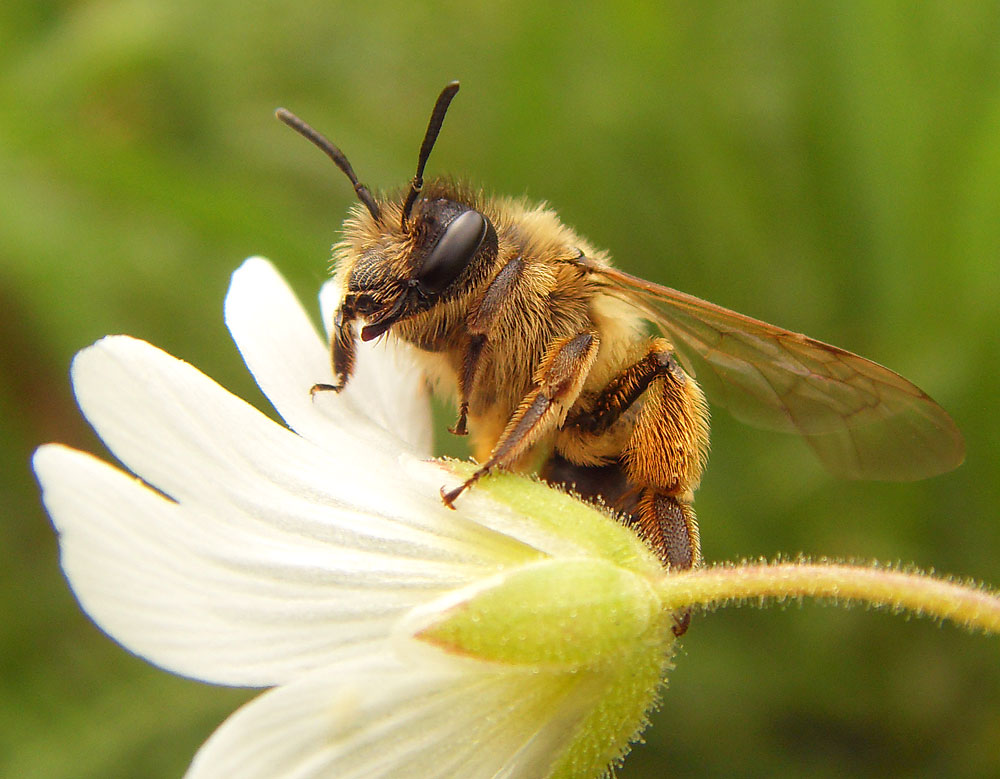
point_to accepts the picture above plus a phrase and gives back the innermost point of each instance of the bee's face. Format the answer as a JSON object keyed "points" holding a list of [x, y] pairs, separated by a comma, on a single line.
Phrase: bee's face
{"points": [[409, 255], [410, 269]]}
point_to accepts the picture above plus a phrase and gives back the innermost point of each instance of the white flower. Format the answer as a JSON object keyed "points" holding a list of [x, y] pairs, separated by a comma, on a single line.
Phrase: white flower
{"points": [[517, 636]]}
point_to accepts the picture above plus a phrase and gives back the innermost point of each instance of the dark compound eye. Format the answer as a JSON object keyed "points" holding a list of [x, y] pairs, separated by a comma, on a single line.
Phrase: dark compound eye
{"points": [[453, 251]]}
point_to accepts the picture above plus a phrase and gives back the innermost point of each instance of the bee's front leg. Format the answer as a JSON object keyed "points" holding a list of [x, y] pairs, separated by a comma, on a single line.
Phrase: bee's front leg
{"points": [[342, 350], [558, 382]]}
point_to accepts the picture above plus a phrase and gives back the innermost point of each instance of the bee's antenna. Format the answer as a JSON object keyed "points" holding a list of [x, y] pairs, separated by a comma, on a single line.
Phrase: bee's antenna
{"points": [[433, 128], [335, 154]]}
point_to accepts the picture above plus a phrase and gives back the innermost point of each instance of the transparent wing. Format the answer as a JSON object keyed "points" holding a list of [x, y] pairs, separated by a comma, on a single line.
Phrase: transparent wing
{"points": [[862, 420]]}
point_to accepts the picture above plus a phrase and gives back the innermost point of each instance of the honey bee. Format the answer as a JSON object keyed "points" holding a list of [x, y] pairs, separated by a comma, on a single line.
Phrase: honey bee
{"points": [[547, 349]]}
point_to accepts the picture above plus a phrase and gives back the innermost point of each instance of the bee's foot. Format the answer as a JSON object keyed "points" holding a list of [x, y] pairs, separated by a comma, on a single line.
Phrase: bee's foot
{"points": [[324, 388], [460, 427], [448, 498]]}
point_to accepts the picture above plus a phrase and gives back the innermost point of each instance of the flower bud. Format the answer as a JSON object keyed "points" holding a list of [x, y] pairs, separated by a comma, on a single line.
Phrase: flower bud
{"points": [[561, 613]]}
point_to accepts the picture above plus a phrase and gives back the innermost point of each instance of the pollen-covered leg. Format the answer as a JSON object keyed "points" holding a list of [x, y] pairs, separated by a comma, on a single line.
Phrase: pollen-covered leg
{"points": [[557, 384], [665, 458], [662, 460], [669, 443]]}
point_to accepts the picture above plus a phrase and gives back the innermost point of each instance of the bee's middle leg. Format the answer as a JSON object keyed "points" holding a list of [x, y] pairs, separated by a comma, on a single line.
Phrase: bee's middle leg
{"points": [[557, 385], [496, 300]]}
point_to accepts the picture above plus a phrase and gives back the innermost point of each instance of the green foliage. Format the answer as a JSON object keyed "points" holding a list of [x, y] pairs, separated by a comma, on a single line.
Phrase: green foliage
{"points": [[832, 167]]}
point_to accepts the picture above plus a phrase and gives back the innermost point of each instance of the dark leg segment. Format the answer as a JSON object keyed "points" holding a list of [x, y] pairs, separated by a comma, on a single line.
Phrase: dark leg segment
{"points": [[466, 378], [342, 348], [670, 527]]}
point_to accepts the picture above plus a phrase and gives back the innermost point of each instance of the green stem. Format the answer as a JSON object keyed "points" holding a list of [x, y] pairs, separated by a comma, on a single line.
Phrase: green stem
{"points": [[919, 593]]}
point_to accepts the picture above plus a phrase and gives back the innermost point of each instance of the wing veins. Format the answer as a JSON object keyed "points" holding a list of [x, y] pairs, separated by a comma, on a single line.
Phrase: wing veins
{"points": [[861, 419]]}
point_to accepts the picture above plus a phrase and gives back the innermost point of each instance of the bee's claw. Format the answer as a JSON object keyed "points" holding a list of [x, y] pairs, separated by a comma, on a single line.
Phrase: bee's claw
{"points": [[448, 498], [324, 388], [460, 427]]}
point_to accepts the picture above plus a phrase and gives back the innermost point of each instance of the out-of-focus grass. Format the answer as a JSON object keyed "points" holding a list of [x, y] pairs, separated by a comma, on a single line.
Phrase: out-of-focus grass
{"points": [[833, 167]]}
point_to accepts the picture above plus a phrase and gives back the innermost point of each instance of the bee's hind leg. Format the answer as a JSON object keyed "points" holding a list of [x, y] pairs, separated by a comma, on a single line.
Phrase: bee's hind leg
{"points": [[669, 525], [664, 456]]}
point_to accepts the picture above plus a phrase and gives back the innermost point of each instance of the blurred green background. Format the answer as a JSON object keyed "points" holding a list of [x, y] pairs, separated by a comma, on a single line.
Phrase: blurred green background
{"points": [[831, 167]]}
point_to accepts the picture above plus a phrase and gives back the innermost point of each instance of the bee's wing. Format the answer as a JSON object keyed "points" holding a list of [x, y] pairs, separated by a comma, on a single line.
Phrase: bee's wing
{"points": [[863, 421]]}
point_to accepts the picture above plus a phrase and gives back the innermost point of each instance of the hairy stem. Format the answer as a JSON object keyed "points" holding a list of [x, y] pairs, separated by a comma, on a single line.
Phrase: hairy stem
{"points": [[919, 593]]}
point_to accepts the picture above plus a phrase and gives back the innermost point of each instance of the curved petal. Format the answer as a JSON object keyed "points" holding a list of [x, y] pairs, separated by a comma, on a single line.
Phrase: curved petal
{"points": [[266, 517], [239, 599], [193, 440], [286, 357], [383, 719]]}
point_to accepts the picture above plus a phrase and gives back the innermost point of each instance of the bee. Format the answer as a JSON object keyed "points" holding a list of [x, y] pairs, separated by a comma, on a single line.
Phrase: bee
{"points": [[546, 347]]}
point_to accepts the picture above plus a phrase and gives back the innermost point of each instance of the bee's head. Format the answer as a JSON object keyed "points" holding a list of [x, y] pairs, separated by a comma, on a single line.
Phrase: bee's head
{"points": [[409, 268], [403, 258]]}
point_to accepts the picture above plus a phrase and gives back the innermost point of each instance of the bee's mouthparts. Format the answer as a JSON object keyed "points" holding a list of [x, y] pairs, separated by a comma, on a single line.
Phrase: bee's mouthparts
{"points": [[384, 319]]}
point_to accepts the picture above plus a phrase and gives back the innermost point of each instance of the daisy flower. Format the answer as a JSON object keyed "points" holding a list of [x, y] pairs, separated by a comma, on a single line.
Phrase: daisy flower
{"points": [[524, 634]]}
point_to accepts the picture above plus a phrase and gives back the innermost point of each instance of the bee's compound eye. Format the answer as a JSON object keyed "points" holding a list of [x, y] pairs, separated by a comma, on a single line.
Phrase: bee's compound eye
{"points": [[454, 250]]}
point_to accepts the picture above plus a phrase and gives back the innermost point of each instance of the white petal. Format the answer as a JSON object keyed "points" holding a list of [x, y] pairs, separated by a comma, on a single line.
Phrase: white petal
{"points": [[193, 440], [240, 601], [305, 550], [286, 356], [329, 298], [379, 719]]}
